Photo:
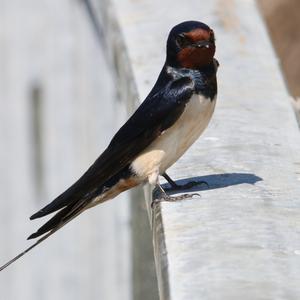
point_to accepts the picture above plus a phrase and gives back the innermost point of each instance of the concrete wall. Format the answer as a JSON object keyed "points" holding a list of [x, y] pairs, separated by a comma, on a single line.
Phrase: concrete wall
{"points": [[59, 110], [240, 240]]}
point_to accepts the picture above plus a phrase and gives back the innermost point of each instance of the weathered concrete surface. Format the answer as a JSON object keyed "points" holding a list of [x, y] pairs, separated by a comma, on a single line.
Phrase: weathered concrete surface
{"points": [[241, 239]]}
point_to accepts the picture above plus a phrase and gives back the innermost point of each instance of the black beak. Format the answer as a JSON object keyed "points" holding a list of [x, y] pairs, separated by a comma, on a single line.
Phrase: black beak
{"points": [[203, 44]]}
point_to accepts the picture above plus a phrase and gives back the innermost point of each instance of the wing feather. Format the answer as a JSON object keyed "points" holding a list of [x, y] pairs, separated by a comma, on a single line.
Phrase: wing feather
{"points": [[158, 112]]}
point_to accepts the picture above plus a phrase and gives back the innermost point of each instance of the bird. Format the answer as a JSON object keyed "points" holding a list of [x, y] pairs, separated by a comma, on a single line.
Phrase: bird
{"points": [[169, 120]]}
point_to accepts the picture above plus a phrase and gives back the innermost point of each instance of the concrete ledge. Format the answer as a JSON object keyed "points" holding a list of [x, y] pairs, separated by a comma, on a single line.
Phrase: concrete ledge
{"points": [[241, 239]]}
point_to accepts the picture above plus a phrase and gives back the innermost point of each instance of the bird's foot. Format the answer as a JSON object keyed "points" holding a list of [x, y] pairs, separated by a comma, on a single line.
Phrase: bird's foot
{"points": [[164, 197], [188, 185]]}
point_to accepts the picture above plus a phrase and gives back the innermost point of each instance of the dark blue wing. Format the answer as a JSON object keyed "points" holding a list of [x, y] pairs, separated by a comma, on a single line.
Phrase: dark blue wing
{"points": [[158, 112]]}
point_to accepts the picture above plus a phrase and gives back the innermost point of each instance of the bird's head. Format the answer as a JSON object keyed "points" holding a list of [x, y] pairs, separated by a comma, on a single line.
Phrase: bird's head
{"points": [[190, 45]]}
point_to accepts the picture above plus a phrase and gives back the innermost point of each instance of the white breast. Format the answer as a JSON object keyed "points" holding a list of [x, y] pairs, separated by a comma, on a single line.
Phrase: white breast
{"points": [[172, 144]]}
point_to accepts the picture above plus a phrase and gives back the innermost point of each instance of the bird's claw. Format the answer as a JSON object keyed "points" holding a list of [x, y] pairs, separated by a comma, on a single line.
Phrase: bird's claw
{"points": [[168, 198]]}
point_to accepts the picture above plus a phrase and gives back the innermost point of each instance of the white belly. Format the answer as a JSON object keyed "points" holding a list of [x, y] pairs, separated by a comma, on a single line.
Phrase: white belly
{"points": [[172, 144]]}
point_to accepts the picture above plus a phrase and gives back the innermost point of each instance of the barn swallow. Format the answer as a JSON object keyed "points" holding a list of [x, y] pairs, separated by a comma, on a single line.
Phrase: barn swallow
{"points": [[171, 118]]}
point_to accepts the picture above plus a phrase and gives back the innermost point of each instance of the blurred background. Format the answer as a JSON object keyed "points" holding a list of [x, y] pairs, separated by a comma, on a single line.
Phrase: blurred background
{"points": [[59, 109], [282, 18]]}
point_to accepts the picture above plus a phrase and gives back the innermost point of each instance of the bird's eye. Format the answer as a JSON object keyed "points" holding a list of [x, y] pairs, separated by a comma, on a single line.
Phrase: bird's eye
{"points": [[182, 40], [212, 38]]}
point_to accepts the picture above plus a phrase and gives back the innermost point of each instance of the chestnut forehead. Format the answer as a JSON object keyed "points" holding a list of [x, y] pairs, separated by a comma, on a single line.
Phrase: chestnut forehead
{"points": [[199, 34]]}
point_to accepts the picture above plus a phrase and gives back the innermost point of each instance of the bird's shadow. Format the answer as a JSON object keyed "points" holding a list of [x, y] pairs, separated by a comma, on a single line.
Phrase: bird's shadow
{"points": [[215, 181]]}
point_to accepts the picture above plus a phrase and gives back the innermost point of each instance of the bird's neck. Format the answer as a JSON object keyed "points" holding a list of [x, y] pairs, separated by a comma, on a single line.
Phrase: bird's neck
{"points": [[204, 78], [208, 70]]}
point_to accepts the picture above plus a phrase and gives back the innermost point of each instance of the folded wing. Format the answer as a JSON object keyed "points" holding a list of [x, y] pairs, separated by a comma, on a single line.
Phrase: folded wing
{"points": [[158, 112]]}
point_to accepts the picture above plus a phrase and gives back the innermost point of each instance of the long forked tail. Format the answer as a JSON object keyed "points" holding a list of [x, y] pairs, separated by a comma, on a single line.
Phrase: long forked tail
{"points": [[54, 224], [27, 250]]}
